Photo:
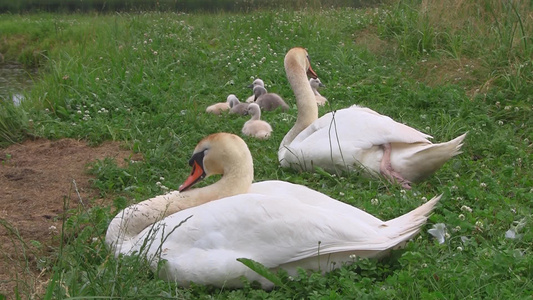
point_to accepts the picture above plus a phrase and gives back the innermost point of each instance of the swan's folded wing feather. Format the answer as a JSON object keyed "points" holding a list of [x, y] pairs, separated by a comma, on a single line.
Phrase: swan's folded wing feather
{"points": [[361, 127]]}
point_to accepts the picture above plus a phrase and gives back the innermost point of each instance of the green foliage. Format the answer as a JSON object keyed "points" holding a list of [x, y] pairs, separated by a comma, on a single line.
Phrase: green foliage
{"points": [[146, 78]]}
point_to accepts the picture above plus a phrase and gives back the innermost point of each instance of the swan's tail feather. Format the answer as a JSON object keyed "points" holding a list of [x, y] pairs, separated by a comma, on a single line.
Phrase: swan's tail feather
{"points": [[403, 228], [427, 161]]}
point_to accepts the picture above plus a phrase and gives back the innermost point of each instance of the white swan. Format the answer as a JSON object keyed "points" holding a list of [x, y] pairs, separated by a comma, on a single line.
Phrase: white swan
{"points": [[315, 84], [218, 108], [237, 107], [355, 137], [257, 82], [269, 101], [255, 126], [276, 223]]}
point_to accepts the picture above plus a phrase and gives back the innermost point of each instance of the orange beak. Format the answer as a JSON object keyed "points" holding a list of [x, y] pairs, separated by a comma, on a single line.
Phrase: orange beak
{"points": [[311, 73], [197, 174]]}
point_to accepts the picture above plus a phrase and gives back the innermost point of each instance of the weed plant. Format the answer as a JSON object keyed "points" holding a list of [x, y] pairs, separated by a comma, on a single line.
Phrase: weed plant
{"points": [[145, 79]]}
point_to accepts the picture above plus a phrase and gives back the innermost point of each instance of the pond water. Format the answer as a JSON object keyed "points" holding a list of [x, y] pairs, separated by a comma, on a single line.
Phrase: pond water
{"points": [[14, 80]]}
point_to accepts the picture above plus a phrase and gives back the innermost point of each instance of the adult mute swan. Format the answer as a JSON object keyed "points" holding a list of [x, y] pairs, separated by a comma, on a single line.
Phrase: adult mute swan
{"points": [[255, 126], [315, 84], [355, 137], [276, 223]]}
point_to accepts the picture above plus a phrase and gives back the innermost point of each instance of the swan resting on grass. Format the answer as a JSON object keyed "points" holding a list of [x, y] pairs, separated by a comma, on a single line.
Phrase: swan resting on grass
{"points": [[236, 106], [197, 235], [355, 137], [256, 127], [269, 101], [315, 84], [257, 82], [218, 108]]}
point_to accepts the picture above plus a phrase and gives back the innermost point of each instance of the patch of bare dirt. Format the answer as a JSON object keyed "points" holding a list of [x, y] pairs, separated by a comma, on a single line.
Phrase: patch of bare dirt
{"points": [[35, 178], [463, 72], [369, 39]]}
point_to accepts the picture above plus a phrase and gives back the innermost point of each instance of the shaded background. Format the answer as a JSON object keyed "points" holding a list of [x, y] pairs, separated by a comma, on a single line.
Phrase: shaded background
{"points": [[18, 6]]}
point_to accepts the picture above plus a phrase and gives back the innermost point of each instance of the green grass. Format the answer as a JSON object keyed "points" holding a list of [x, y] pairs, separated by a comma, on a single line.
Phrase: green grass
{"points": [[146, 79]]}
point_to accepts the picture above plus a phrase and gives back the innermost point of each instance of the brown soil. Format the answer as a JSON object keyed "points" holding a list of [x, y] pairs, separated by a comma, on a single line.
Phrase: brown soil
{"points": [[35, 179]]}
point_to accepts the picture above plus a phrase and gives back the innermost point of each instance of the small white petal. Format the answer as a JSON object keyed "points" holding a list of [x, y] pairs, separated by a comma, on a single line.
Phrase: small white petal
{"points": [[439, 232]]}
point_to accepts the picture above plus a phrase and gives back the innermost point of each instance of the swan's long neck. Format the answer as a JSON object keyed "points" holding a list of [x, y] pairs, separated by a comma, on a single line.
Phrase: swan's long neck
{"points": [[305, 99], [256, 115], [134, 219], [315, 91]]}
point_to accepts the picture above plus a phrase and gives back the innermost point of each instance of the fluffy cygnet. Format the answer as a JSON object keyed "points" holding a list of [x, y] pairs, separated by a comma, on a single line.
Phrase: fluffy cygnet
{"points": [[218, 108], [315, 84], [268, 101], [257, 82], [236, 107], [255, 126]]}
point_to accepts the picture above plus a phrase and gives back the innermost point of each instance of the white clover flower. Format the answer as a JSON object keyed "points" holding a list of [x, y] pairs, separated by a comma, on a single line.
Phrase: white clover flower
{"points": [[500, 122], [341, 193], [479, 224], [461, 217], [374, 201], [439, 232], [483, 185], [466, 208], [459, 248], [456, 228], [79, 112], [162, 178], [508, 107], [424, 199], [158, 183]]}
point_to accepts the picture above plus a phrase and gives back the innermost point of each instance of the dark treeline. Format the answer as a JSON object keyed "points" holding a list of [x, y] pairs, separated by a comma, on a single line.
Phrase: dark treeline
{"points": [[20, 6]]}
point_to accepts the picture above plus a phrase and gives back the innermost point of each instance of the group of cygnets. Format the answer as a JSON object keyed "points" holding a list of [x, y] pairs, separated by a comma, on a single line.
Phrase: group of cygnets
{"points": [[199, 235], [260, 100]]}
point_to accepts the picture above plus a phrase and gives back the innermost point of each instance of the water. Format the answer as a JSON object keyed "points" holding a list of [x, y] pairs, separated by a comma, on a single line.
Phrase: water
{"points": [[14, 80]]}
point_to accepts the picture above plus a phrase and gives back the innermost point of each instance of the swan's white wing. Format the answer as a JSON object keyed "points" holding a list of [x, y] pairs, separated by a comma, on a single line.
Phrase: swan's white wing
{"points": [[307, 196], [348, 136], [269, 229], [361, 126]]}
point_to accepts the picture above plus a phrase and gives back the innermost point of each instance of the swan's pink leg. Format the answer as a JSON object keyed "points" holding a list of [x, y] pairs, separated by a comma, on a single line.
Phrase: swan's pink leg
{"points": [[387, 170]]}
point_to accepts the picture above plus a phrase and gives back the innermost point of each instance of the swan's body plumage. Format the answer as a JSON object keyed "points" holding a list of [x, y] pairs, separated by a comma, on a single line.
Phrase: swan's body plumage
{"points": [[255, 126], [276, 223], [269, 101], [356, 137], [237, 107], [218, 108], [315, 84]]}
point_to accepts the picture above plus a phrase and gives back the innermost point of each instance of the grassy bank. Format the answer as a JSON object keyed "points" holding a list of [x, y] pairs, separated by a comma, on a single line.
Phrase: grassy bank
{"points": [[146, 79]]}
